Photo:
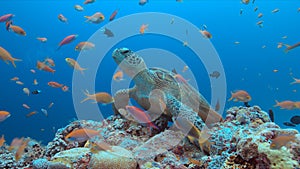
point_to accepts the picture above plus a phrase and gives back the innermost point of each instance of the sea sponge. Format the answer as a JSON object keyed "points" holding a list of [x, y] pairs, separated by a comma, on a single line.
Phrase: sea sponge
{"points": [[118, 158], [279, 158]]}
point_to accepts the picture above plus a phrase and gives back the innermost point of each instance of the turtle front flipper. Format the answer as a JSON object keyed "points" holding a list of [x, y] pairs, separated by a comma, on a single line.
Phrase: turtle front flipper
{"points": [[121, 99], [178, 109]]}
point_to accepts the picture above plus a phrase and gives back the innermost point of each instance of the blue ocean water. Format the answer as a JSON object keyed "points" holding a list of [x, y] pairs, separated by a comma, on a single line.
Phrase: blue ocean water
{"points": [[247, 65]]}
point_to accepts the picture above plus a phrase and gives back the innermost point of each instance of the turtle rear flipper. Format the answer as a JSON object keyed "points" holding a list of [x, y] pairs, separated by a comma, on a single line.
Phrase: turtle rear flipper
{"points": [[178, 109], [189, 123]]}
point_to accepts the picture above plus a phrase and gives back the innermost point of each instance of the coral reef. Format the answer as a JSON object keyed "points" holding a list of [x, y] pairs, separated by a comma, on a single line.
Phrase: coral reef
{"points": [[34, 150], [246, 139]]}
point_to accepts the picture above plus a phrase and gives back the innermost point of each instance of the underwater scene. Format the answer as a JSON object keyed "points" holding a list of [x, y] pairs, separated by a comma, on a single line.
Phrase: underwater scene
{"points": [[145, 84]]}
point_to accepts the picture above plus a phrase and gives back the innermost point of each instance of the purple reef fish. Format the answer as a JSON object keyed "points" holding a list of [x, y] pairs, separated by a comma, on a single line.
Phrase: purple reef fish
{"points": [[67, 40]]}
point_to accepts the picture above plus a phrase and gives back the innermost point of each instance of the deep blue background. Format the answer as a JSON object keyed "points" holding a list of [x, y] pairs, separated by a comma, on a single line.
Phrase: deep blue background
{"points": [[247, 66]]}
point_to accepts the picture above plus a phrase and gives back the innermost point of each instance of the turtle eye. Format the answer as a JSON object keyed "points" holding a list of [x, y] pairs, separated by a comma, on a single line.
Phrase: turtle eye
{"points": [[124, 52]]}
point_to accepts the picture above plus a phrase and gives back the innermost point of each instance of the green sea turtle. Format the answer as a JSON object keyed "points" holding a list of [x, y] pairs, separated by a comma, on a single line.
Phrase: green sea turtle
{"points": [[156, 89]]}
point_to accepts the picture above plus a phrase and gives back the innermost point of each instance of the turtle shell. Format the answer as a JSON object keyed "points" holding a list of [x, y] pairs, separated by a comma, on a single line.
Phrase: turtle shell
{"points": [[167, 80]]}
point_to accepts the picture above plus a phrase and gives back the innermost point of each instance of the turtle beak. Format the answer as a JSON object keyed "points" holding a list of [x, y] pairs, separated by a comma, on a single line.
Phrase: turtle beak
{"points": [[114, 54]]}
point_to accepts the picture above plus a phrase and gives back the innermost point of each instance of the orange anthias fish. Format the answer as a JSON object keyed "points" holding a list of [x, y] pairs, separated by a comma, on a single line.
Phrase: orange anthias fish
{"points": [[245, 1], [99, 146], [98, 17], [288, 47], [113, 15], [44, 67], [101, 97], [240, 95], [42, 39], [297, 104], [19, 82], [296, 81], [50, 105], [65, 88], [118, 76], [67, 40], [35, 82], [71, 62], [25, 106], [281, 140], [20, 150], [62, 18], [185, 68], [2, 141], [31, 114], [7, 17], [287, 104], [7, 25], [5, 56], [82, 135], [4, 115], [84, 46], [143, 28], [32, 71], [275, 10], [279, 45], [78, 8], [206, 34], [88, 1], [49, 62], [15, 78], [26, 91], [55, 84], [16, 142], [18, 30], [141, 116]]}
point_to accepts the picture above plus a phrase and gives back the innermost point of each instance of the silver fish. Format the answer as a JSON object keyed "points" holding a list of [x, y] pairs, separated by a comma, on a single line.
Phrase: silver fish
{"points": [[143, 2], [215, 74]]}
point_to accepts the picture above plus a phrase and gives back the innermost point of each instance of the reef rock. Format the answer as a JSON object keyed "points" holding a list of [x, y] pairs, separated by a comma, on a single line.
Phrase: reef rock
{"points": [[72, 158], [118, 158]]}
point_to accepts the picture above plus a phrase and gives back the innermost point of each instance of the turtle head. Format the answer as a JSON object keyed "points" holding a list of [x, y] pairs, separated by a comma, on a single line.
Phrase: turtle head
{"points": [[128, 61]]}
